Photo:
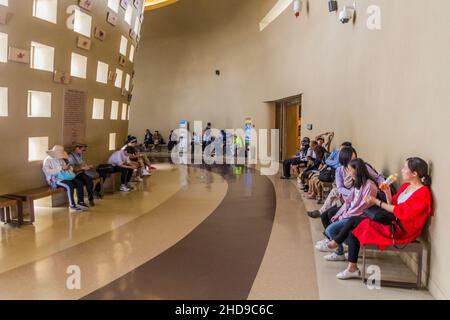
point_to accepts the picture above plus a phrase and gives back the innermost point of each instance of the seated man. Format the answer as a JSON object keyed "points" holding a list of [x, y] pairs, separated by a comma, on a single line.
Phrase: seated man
{"points": [[59, 173], [83, 171], [120, 161], [157, 141], [148, 138], [299, 158], [325, 140], [139, 157]]}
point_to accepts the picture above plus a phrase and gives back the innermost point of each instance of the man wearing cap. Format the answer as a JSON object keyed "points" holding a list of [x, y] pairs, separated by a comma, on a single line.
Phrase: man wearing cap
{"points": [[59, 173], [82, 170], [299, 158]]}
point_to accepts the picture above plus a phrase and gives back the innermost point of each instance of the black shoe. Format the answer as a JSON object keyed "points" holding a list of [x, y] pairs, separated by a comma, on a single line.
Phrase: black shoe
{"points": [[314, 214], [91, 203], [83, 206], [285, 178]]}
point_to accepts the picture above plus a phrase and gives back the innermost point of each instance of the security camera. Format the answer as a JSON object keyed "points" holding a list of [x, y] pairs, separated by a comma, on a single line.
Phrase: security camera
{"points": [[346, 13]]}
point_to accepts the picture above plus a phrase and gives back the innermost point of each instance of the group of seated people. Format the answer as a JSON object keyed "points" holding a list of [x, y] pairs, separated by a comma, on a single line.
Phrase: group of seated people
{"points": [[363, 207], [71, 172], [153, 139]]}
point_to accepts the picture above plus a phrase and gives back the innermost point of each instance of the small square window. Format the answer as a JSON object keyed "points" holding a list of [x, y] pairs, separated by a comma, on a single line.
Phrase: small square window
{"points": [[42, 57], [112, 141], [114, 5], [45, 10], [137, 26], [102, 72], [114, 110], [98, 109], [4, 3], [3, 102], [132, 53], [119, 77], [82, 23], [129, 14], [37, 148], [3, 47], [123, 46], [39, 104], [124, 111], [78, 67], [127, 82]]}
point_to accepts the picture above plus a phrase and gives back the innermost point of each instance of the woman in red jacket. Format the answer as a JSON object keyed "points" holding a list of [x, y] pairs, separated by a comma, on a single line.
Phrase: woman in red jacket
{"points": [[412, 206]]}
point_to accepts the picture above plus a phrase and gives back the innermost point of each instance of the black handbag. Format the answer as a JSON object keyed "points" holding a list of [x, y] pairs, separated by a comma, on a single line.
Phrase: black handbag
{"points": [[386, 218], [105, 169], [327, 175]]}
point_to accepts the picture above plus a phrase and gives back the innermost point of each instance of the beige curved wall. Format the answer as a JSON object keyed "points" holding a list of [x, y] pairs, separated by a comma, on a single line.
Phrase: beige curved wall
{"points": [[385, 90], [16, 173]]}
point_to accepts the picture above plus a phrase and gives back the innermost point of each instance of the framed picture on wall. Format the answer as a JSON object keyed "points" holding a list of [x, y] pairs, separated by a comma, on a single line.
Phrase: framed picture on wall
{"points": [[84, 43], [132, 34], [124, 4], [112, 75], [122, 60], [112, 18], [19, 55], [100, 34], [62, 77], [86, 4]]}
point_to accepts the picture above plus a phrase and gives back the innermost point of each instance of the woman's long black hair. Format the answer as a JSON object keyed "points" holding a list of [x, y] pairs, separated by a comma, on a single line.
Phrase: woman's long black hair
{"points": [[362, 175], [420, 166]]}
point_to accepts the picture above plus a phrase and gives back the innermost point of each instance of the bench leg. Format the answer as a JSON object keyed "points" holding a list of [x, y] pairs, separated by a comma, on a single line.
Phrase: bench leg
{"points": [[20, 213], [30, 203], [2, 215], [419, 268], [8, 212], [363, 273]]}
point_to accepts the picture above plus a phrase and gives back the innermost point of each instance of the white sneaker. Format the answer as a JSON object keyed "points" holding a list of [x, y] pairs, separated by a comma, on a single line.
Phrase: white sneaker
{"points": [[322, 241], [146, 173], [345, 275], [335, 257], [124, 188], [323, 247]]}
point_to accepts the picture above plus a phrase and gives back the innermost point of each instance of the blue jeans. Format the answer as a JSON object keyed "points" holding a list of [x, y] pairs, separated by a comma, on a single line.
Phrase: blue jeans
{"points": [[332, 231]]}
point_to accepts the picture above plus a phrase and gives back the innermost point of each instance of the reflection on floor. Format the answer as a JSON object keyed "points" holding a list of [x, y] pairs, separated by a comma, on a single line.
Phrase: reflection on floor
{"points": [[194, 232]]}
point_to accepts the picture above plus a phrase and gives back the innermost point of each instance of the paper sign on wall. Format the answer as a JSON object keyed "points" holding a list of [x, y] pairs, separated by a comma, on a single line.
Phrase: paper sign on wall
{"points": [[74, 119], [19, 55]]}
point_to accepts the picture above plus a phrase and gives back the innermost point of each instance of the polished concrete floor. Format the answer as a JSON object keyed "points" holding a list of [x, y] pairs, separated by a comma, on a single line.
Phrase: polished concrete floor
{"points": [[194, 232]]}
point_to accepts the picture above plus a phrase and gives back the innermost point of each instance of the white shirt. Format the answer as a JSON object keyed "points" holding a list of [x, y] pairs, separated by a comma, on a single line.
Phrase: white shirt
{"points": [[403, 197], [118, 158]]}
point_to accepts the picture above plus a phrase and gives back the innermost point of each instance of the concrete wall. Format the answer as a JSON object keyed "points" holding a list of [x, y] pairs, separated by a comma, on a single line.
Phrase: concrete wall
{"points": [[384, 90], [16, 173]]}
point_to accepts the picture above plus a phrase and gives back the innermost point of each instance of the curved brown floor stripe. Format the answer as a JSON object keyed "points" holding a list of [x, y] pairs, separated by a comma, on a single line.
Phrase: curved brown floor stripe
{"points": [[220, 258]]}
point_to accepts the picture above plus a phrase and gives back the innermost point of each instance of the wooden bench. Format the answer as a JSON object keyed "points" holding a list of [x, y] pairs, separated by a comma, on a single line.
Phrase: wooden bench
{"points": [[29, 196], [6, 206], [414, 247]]}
